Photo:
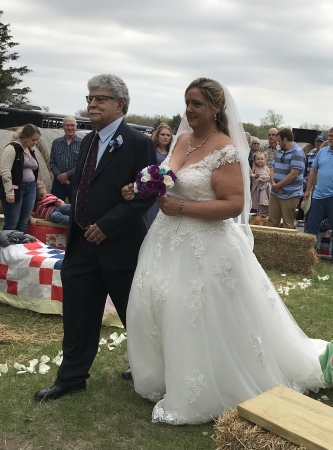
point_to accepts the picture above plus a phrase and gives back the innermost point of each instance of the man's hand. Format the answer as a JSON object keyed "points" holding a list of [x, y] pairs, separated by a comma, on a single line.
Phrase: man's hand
{"points": [[276, 189], [95, 235], [10, 198], [306, 195]]}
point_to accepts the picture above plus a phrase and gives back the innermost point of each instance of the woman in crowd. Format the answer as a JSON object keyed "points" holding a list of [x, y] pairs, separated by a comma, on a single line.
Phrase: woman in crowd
{"points": [[162, 138], [19, 170], [206, 327]]}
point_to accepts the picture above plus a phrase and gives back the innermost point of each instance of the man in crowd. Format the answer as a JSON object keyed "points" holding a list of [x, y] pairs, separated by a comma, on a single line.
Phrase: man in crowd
{"points": [[287, 180], [321, 176], [63, 159], [105, 231], [271, 147], [310, 156]]}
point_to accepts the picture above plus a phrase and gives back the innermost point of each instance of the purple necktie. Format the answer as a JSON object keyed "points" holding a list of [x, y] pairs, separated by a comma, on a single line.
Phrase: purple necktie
{"points": [[82, 208]]}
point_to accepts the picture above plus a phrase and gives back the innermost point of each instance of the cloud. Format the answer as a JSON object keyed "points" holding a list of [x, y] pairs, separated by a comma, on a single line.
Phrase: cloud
{"points": [[271, 55]]}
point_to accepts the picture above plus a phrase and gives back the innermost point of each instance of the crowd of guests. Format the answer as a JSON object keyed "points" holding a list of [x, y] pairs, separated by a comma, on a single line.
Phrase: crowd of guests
{"points": [[283, 178], [280, 174]]}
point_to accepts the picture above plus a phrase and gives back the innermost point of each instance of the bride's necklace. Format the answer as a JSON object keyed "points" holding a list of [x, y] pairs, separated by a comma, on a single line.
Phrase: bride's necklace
{"points": [[192, 149]]}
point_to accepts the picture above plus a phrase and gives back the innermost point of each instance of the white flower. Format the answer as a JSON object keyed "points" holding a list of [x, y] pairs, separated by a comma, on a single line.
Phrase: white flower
{"points": [[168, 181], [146, 177]]}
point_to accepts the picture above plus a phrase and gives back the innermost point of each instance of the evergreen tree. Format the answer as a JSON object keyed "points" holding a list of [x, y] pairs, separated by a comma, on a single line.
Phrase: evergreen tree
{"points": [[10, 77]]}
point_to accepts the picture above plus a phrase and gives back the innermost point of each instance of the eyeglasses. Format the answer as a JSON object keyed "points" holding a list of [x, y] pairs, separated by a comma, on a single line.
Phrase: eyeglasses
{"points": [[98, 98]]}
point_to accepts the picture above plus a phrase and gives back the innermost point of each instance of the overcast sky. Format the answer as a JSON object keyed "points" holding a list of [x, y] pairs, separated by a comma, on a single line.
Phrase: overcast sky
{"points": [[270, 54]]}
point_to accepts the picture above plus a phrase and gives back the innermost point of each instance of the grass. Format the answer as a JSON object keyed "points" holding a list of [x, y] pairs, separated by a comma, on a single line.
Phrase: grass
{"points": [[110, 415]]}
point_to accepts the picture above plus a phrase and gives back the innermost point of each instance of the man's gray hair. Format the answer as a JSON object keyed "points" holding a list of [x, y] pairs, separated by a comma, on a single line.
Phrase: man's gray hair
{"points": [[67, 118], [114, 84]]}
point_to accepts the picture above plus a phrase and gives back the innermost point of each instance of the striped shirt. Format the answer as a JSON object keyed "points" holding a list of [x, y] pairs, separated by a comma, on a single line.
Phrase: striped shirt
{"points": [[283, 163], [310, 157], [44, 207], [63, 157]]}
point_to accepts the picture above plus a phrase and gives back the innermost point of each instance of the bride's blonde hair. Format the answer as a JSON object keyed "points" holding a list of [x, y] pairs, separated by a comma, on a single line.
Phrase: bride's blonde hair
{"points": [[214, 94]]}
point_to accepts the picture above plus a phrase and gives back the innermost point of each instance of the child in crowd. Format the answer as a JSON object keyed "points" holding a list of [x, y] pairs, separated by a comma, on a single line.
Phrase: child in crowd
{"points": [[50, 207], [260, 184]]}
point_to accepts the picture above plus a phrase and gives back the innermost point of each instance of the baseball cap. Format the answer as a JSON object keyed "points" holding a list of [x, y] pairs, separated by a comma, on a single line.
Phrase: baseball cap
{"points": [[321, 137]]}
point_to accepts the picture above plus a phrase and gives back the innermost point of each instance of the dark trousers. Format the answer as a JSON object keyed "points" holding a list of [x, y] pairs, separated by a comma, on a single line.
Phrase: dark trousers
{"points": [[85, 287], [62, 190], [319, 210]]}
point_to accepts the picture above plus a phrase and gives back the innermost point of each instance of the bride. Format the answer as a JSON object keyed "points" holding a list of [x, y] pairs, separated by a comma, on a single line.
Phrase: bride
{"points": [[206, 327]]}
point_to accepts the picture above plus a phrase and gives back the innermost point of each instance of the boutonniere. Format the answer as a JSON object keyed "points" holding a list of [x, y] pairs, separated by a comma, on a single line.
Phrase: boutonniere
{"points": [[115, 143]]}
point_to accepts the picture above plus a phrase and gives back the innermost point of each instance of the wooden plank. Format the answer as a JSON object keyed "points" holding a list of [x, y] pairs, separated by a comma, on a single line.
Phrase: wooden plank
{"points": [[293, 416], [277, 229]]}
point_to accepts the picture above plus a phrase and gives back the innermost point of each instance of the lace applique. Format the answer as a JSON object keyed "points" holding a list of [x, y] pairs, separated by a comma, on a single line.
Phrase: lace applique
{"points": [[162, 282], [233, 242], [257, 344], [140, 281], [154, 396], [196, 385], [196, 300], [272, 302], [313, 383], [160, 415], [265, 285], [222, 270], [218, 158], [156, 335]]}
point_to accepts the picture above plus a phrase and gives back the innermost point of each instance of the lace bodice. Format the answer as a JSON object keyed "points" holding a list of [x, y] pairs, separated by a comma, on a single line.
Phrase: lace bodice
{"points": [[194, 182]]}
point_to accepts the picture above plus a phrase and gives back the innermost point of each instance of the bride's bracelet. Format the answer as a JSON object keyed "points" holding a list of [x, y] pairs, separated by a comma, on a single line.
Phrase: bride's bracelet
{"points": [[181, 207]]}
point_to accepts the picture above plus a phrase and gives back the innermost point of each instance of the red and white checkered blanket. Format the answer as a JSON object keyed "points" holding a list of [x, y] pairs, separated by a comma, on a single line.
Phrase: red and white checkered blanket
{"points": [[30, 279]]}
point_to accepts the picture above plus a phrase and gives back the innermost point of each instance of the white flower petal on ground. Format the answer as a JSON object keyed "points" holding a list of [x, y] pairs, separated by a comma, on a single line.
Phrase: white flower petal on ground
{"points": [[21, 372], [44, 359], [118, 341], [18, 366], [58, 359], [103, 341], [283, 275], [324, 278], [111, 347], [114, 336], [43, 368], [3, 368]]}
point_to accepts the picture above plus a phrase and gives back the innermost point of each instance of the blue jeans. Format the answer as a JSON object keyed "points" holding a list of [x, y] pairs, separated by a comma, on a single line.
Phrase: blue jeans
{"points": [[60, 214], [17, 215], [319, 210], [62, 190]]}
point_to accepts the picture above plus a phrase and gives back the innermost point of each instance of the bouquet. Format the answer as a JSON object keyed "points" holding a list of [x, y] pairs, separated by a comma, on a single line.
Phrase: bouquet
{"points": [[154, 180]]}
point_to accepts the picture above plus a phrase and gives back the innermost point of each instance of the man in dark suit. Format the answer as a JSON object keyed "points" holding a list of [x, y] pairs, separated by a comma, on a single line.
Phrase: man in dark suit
{"points": [[105, 231]]}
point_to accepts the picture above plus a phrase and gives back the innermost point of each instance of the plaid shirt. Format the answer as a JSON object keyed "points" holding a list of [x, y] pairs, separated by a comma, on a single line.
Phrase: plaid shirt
{"points": [[310, 157], [270, 152]]}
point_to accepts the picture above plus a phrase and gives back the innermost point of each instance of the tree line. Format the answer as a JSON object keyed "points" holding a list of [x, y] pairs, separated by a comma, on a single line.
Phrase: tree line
{"points": [[13, 95]]}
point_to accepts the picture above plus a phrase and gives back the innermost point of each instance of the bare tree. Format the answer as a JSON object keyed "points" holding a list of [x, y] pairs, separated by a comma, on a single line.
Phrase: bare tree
{"points": [[272, 119]]}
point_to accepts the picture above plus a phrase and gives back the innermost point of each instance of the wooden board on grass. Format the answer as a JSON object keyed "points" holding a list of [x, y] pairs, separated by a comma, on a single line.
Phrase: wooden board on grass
{"points": [[293, 416]]}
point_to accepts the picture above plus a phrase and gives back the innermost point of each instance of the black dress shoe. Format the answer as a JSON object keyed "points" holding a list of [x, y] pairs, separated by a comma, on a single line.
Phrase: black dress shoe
{"points": [[127, 374], [54, 392]]}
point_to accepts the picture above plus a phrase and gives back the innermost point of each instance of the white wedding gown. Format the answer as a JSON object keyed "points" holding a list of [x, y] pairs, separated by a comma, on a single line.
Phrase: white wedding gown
{"points": [[206, 327]]}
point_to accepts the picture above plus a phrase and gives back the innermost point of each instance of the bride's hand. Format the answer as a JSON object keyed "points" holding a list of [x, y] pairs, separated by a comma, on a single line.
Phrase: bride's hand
{"points": [[128, 192], [170, 206]]}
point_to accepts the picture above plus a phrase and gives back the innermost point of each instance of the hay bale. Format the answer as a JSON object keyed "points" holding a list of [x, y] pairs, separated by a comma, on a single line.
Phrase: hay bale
{"points": [[285, 250], [235, 433]]}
